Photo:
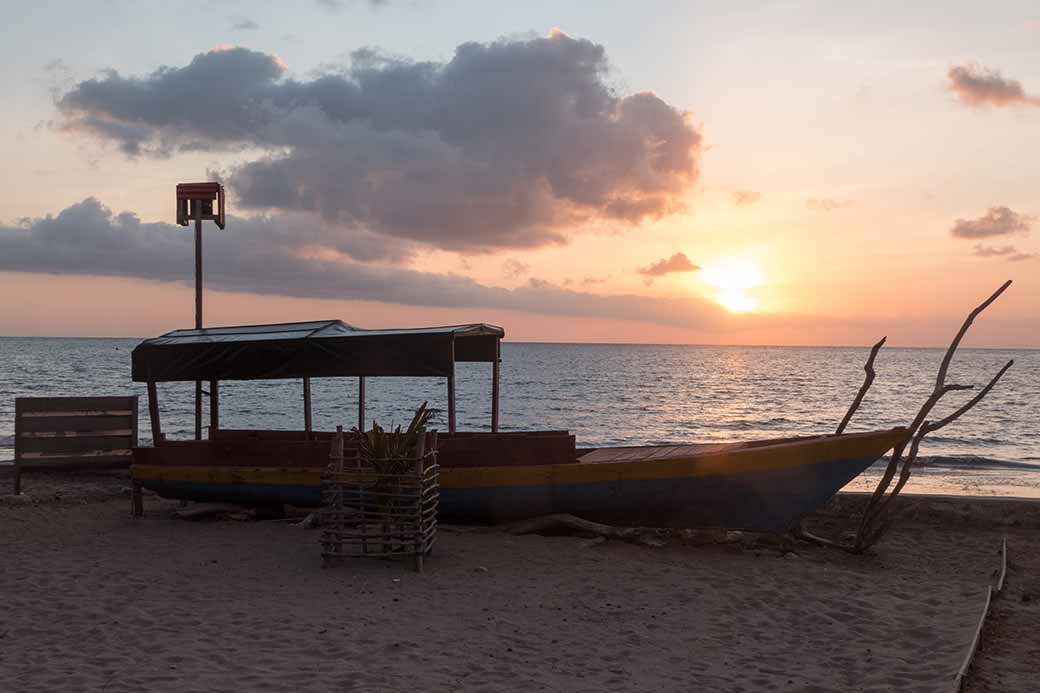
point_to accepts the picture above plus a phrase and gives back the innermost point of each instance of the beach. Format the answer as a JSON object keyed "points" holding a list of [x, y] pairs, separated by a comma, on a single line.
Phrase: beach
{"points": [[96, 600]]}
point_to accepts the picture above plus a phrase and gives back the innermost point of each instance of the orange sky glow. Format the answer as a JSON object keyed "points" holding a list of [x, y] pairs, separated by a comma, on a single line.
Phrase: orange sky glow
{"points": [[861, 184]]}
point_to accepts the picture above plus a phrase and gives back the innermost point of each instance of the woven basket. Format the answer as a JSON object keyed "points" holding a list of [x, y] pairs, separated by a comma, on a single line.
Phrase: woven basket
{"points": [[367, 511]]}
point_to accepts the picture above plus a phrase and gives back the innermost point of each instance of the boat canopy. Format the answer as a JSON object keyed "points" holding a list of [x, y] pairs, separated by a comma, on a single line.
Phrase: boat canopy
{"points": [[322, 348]]}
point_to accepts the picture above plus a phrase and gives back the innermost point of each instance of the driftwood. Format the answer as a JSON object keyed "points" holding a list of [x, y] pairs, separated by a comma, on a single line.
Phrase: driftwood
{"points": [[645, 536], [203, 510], [880, 513], [868, 380]]}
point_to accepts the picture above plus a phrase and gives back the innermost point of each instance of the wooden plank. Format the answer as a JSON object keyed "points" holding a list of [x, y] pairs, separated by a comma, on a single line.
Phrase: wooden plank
{"points": [[214, 406], [125, 432], [76, 423], [451, 401], [1003, 566], [198, 410], [307, 427], [135, 424], [74, 413], [17, 477], [236, 453], [958, 681], [77, 463], [361, 403], [153, 413], [76, 444], [46, 404], [39, 460], [495, 368]]}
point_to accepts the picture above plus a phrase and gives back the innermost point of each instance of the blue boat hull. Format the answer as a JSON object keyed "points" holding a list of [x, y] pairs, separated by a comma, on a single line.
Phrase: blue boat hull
{"points": [[762, 500]]}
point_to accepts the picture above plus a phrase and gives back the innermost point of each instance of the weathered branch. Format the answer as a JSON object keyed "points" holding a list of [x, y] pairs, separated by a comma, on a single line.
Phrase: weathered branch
{"points": [[868, 380], [647, 536], [940, 377], [972, 402], [873, 524], [929, 427]]}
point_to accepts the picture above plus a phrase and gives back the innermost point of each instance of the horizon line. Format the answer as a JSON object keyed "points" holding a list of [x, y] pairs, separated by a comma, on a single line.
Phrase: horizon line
{"points": [[680, 344]]}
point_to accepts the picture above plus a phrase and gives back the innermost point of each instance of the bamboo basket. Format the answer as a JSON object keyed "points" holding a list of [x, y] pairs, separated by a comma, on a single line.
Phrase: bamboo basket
{"points": [[366, 512]]}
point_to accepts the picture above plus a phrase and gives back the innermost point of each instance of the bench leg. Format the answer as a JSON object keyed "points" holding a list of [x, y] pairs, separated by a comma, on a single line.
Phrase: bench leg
{"points": [[136, 499], [17, 480]]}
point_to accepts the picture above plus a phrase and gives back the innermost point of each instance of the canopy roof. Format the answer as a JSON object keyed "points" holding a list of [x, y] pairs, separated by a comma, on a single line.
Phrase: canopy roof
{"points": [[319, 348]]}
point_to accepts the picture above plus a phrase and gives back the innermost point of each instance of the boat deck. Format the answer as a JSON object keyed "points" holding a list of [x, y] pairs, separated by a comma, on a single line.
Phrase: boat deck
{"points": [[645, 453]]}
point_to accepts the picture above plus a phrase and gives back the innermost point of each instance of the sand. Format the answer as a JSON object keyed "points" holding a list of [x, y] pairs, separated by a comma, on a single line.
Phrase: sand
{"points": [[95, 600]]}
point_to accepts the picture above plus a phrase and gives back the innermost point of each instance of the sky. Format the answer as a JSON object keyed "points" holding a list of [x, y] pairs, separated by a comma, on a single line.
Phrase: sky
{"points": [[665, 172]]}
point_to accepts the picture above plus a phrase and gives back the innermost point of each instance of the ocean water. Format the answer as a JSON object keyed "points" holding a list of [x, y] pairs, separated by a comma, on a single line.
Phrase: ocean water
{"points": [[606, 394]]}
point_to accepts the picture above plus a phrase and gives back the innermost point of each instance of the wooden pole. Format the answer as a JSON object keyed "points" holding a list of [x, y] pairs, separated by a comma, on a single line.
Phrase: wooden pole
{"points": [[307, 406], [494, 394], [214, 407], [197, 205], [451, 400], [153, 414], [361, 403]]}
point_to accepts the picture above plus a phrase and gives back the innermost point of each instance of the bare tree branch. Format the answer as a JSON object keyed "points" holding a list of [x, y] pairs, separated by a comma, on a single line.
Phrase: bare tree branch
{"points": [[940, 378], [873, 523], [972, 402], [929, 427], [867, 382]]}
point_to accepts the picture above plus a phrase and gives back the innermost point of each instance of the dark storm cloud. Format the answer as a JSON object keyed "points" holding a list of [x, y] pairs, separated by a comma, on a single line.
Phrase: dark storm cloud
{"points": [[976, 86], [265, 255], [676, 263], [508, 145], [997, 221]]}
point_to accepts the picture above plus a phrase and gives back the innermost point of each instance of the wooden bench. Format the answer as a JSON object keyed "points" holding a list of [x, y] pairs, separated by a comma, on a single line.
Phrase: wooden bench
{"points": [[73, 433]]}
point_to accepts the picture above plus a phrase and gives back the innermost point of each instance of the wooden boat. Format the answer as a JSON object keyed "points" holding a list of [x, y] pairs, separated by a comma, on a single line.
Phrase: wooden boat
{"points": [[485, 477], [766, 485]]}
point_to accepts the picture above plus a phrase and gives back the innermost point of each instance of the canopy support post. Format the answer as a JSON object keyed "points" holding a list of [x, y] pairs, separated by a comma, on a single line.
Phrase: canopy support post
{"points": [[361, 403], [307, 406], [198, 410], [451, 400], [153, 413], [494, 393], [197, 204], [214, 407]]}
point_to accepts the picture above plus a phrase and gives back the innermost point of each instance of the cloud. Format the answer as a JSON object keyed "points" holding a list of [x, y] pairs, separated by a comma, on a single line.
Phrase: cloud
{"points": [[266, 255], [827, 204], [997, 221], [244, 24], [978, 87], [676, 263], [1006, 251], [514, 269], [509, 144], [746, 198], [337, 5]]}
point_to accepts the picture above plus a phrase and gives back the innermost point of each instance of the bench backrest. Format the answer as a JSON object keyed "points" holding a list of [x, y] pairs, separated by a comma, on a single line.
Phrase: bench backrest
{"points": [[73, 433]]}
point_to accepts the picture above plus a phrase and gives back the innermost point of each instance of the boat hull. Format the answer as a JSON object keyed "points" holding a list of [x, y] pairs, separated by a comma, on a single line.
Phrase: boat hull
{"points": [[764, 486]]}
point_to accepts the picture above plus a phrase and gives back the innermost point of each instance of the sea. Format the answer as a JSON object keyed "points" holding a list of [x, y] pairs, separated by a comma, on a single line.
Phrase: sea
{"points": [[612, 394]]}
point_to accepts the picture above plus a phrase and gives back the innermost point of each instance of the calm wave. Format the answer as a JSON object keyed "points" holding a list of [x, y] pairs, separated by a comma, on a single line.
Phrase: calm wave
{"points": [[606, 394]]}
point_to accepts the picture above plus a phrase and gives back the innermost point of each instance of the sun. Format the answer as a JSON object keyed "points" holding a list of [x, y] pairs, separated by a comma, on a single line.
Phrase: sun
{"points": [[733, 278]]}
